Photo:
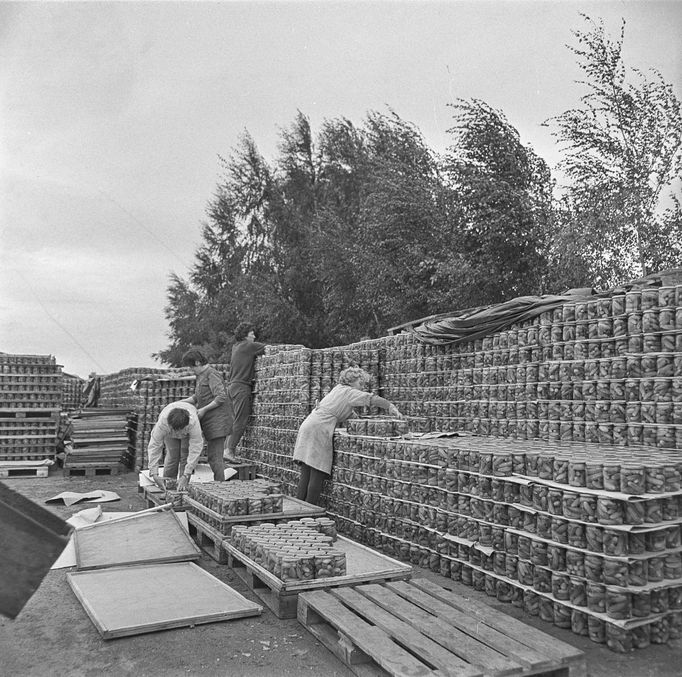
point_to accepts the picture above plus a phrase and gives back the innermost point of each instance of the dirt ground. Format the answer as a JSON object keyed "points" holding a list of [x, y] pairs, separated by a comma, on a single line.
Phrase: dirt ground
{"points": [[54, 637]]}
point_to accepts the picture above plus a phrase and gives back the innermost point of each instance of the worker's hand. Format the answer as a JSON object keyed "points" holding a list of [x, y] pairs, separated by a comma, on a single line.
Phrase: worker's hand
{"points": [[183, 483], [200, 413], [393, 411], [159, 481]]}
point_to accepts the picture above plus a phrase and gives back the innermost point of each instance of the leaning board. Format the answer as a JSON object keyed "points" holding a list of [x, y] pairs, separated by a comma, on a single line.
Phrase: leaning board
{"points": [[132, 600], [151, 537]]}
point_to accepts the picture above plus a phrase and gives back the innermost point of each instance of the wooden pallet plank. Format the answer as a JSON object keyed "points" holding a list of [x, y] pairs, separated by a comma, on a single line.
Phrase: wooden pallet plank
{"points": [[372, 641], [26, 471], [208, 539], [528, 657], [406, 635], [92, 469], [554, 648], [473, 650]]}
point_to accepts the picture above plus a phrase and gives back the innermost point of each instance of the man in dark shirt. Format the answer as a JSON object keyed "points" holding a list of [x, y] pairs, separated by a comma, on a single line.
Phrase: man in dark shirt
{"points": [[242, 371]]}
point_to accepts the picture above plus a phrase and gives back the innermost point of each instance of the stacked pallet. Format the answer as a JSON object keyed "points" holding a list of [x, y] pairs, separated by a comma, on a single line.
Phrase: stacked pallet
{"points": [[102, 442], [30, 398]]}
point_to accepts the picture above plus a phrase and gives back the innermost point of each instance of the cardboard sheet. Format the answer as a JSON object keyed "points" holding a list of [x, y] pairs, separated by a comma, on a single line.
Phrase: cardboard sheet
{"points": [[132, 600], [71, 497], [202, 473]]}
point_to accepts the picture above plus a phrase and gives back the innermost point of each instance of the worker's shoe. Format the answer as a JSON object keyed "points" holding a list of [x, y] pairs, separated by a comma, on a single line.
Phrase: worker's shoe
{"points": [[230, 458]]}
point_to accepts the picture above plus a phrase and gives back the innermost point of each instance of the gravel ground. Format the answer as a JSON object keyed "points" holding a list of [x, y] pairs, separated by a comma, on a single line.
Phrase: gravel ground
{"points": [[53, 636]]}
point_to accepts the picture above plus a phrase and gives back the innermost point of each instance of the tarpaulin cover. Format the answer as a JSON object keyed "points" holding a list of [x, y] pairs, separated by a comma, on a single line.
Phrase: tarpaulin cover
{"points": [[477, 323]]}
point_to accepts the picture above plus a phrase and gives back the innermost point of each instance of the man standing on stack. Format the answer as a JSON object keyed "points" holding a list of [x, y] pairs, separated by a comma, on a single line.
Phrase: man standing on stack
{"points": [[239, 389]]}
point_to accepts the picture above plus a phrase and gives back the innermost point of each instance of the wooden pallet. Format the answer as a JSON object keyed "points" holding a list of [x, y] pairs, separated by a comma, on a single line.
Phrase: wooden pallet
{"points": [[22, 469], [208, 539], [362, 564], [419, 628], [92, 469]]}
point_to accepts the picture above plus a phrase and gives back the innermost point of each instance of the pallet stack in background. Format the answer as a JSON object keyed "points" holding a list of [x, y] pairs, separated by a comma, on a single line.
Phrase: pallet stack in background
{"points": [[102, 442], [145, 392], [559, 487], [30, 401]]}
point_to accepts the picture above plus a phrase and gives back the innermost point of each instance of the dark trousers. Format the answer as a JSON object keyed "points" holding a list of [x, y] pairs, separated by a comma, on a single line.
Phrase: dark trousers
{"points": [[239, 401], [176, 457], [310, 484], [214, 455]]}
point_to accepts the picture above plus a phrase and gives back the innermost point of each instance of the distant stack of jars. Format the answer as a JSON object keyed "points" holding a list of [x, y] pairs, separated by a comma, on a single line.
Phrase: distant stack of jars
{"points": [[30, 403]]}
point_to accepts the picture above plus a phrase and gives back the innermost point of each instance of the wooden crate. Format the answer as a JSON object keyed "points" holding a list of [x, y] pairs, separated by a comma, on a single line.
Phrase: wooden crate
{"points": [[362, 565], [292, 508], [419, 628]]}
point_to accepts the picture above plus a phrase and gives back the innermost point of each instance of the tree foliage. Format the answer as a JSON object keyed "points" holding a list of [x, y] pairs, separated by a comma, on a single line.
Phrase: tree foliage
{"points": [[353, 229], [622, 155]]}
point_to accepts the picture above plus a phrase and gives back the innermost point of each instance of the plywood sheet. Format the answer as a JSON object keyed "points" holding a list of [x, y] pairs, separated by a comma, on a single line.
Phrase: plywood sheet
{"points": [[133, 600], [68, 556], [147, 537]]}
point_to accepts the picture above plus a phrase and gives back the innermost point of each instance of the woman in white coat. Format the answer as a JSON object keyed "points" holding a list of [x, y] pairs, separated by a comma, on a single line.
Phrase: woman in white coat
{"points": [[314, 450]]}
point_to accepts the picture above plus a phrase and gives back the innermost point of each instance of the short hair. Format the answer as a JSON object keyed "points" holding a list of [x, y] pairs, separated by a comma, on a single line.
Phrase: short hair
{"points": [[243, 328], [192, 356], [178, 418], [347, 376]]}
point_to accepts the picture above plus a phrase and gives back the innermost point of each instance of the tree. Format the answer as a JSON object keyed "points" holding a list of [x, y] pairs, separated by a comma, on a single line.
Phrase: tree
{"points": [[501, 195], [622, 151]]}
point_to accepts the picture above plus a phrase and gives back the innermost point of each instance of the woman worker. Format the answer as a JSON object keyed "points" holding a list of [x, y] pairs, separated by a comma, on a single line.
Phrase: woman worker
{"points": [[210, 399], [313, 450]]}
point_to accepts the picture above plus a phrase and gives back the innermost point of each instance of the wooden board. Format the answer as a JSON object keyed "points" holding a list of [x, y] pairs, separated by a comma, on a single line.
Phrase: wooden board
{"points": [[399, 629], [151, 537], [292, 508], [132, 600], [362, 565], [32, 539], [208, 539]]}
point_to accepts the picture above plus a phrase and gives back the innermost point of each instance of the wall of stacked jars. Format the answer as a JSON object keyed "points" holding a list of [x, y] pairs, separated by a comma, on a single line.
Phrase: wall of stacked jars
{"points": [[282, 388], [607, 370], [533, 523]]}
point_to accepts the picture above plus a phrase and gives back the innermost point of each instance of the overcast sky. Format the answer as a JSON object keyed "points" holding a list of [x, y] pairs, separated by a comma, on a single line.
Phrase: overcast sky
{"points": [[113, 116]]}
